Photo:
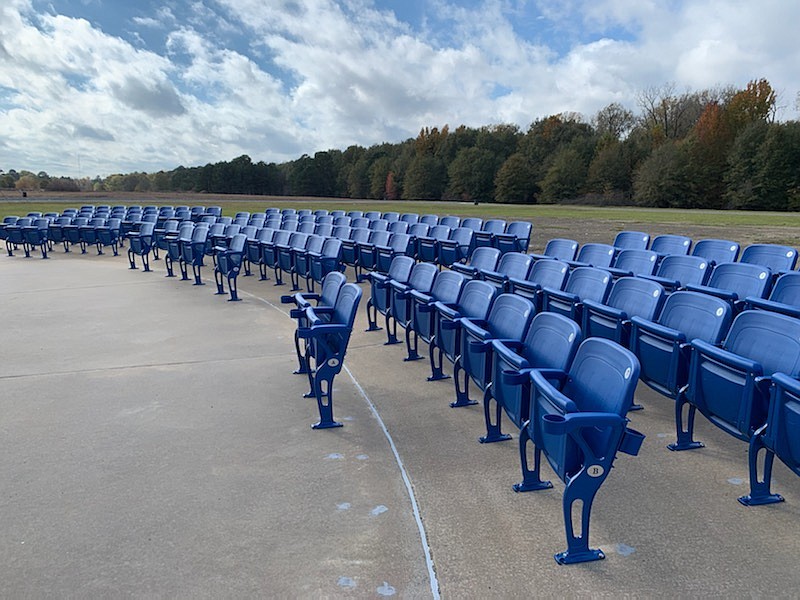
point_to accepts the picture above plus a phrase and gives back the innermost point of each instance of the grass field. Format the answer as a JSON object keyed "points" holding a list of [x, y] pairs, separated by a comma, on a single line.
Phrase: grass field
{"points": [[583, 223]]}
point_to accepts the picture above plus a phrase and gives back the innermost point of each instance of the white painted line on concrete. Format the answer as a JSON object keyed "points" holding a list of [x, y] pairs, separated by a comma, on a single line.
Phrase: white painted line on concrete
{"points": [[415, 507]]}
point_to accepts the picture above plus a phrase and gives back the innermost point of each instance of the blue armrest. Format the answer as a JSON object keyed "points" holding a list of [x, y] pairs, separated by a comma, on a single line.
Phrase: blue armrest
{"points": [[726, 357], [658, 330], [712, 291], [565, 424], [779, 307]]}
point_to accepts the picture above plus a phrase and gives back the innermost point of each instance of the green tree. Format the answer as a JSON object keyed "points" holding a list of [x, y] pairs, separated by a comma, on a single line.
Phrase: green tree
{"points": [[514, 182], [661, 180], [471, 175], [565, 178], [426, 178]]}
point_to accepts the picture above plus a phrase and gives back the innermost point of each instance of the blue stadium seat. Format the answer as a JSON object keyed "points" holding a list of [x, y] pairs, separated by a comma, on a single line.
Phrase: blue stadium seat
{"points": [[481, 259], [716, 251], [326, 340], [559, 249], [228, 265], [473, 223], [511, 265], [55, 230], [380, 291], [269, 251], [508, 321], [141, 243], [349, 252], [367, 252], [174, 244], [252, 253], [631, 240], [399, 313], [428, 245], [379, 224], [784, 297], [162, 234], [551, 274], [285, 254], [301, 261], [108, 235], [446, 289], [668, 244], [663, 345], [449, 221], [593, 255], [634, 262], [730, 385], [629, 297], [400, 244], [485, 235], [550, 343], [409, 218], [474, 302], [192, 253], [434, 220], [515, 238], [780, 437], [328, 260], [780, 259], [584, 283], [733, 282], [372, 215], [87, 233], [578, 422], [35, 236], [398, 227], [455, 248], [676, 271]]}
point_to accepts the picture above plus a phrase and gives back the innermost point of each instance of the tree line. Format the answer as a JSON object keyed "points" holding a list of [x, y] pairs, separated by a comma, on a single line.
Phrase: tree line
{"points": [[718, 148]]}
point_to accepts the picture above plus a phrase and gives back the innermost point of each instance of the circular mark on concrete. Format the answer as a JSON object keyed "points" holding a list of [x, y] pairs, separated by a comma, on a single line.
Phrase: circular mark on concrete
{"points": [[386, 590], [346, 582], [624, 549]]}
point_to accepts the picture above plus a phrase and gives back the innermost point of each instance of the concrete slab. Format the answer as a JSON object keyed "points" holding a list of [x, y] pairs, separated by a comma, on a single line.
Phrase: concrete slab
{"points": [[156, 444]]}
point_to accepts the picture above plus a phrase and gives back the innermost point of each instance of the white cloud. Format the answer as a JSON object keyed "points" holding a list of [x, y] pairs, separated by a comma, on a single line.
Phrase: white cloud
{"points": [[321, 74]]}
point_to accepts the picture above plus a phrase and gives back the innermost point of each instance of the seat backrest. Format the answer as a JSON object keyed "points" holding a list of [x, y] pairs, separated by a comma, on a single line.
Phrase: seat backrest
{"points": [[410, 218], [95, 222], [515, 265], [519, 229], [551, 341], [237, 242], [304, 212], [683, 268], [551, 274], [325, 220], [638, 262], [150, 218], [631, 240], [344, 311], [249, 231], [169, 227], [476, 299], [257, 219], [636, 297], [199, 234], [323, 229], [321, 212], [787, 289], [697, 315], [225, 220], [216, 229], [214, 210], [778, 258], [314, 243], [307, 227], [770, 339], [331, 284], [716, 251], [379, 238], [185, 230], [422, 277], [265, 234], [399, 242], [461, 235], [281, 237], [450, 221], [391, 216], [473, 223], [378, 225], [494, 226], [338, 213], [355, 214], [510, 317], [439, 232], [430, 220], [298, 240], [241, 221], [232, 229], [290, 225], [400, 268], [602, 377], [561, 249], [341, 232], [671, 244], [419, 229], [342, 221], [398, 227], [485, 258], [447, 287], [359, 222], [589, 283], [743, 278], [360, 234], [596, 255], [332, 247], [372, 215], [115, 223]]}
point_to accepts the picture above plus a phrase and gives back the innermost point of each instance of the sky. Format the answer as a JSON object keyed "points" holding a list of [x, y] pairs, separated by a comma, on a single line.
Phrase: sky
{"points": [[95, 87]]}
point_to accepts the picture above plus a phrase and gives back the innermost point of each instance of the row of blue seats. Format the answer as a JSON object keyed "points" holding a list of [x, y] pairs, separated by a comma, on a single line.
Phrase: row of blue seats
{"points": [[672, 342]]}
